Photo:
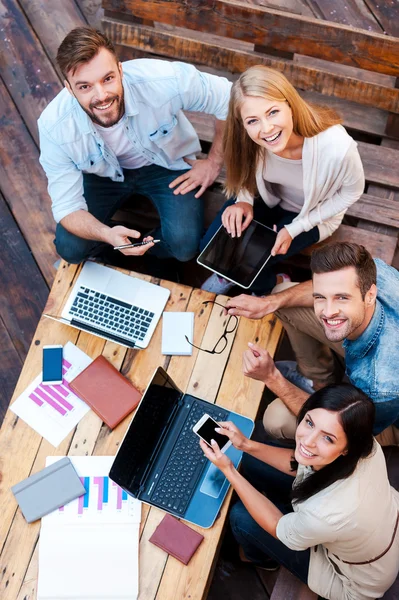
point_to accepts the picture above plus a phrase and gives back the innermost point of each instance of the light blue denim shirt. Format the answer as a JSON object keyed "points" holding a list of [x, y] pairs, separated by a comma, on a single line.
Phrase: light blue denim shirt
{"points": [[372, 361], [156, 92]]}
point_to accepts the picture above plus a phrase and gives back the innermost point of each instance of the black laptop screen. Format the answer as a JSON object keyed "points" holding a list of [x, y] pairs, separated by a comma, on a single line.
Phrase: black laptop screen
{"points": [[239, 259], [145, 432]]}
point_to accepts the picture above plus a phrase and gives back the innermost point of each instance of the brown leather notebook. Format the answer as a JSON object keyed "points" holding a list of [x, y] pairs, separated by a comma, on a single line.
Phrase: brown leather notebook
{"points": [[106, 391], [176, 538]]}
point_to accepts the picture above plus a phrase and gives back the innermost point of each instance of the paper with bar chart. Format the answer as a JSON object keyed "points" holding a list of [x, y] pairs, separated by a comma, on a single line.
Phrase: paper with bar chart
{"points": [[54, 410], [89, 547]]}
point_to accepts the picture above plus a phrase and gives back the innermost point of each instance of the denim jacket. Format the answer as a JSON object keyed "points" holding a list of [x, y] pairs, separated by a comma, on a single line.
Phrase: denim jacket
{"points": [[372, 360], [156, 92]]}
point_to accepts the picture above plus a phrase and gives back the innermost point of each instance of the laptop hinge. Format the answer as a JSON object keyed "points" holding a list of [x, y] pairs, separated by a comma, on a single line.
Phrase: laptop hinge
{"points": [[100, 332], [179, 403]]}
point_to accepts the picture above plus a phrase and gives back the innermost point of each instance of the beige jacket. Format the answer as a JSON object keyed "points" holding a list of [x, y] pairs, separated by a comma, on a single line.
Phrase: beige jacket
{"points": [[332, 168], [352, 520]]}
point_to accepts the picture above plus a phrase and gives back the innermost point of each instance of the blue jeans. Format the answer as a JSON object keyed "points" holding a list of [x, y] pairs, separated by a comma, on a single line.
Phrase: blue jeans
{"points": [[181, 216], [255, 541], [266, 279]]}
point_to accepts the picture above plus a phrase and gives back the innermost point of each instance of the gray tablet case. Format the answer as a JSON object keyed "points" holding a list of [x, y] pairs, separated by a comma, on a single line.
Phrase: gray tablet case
{"points": [[48, 489]]}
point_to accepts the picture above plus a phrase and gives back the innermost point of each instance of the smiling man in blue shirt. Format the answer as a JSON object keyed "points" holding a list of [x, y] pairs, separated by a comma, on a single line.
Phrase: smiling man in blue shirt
{"points": [[350, 307], [119, 129]]}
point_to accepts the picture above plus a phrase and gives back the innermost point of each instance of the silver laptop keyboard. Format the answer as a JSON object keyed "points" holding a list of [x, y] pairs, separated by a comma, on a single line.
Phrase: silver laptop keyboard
{"points": [[110, 314]]}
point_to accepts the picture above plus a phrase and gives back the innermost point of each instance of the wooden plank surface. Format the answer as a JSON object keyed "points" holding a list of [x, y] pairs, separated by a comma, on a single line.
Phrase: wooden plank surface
{"points": [[387, 14], [24, 293], [24, 186], [349, 12], [92, 10], [296, 7], [382, 210], [380, 164], [91, 436], [288, 587], [11, 365], [303, 77], [276, 29], [24, 67], [43, 14], [21, 275], [378, 244]]}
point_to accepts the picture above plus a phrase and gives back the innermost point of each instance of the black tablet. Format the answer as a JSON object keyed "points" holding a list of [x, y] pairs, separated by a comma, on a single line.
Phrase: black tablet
{"points": [[239, 259]]}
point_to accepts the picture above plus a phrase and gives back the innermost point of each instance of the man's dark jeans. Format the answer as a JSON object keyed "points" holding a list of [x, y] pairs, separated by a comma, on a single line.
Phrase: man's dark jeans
{"points": [[255, 541], [266, 279], [181, 216]]}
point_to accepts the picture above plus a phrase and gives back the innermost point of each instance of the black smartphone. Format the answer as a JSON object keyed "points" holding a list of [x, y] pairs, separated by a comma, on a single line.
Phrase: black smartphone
{"points": [[205, 429]]}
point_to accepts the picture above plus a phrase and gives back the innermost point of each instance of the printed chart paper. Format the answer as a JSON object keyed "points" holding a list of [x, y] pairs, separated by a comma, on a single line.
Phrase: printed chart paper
{"points": [[88, 549], [54, 410]]}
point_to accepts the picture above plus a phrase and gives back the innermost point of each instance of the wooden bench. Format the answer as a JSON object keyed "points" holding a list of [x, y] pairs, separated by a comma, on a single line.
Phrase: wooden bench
{"points": [[226, 37], [217, 378]]}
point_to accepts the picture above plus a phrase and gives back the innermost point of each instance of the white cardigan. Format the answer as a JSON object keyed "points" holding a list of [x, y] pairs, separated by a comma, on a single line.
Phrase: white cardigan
{"points": [[331, 164], [351, 520]]}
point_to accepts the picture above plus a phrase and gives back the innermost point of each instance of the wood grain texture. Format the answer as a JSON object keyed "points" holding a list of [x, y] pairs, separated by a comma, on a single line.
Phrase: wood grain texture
{"points": [[24, 67], [276, 29], [296, 7], [350, 12], [387, 14], [11, 365], [378, 244], [24, 186], [21, 312], [93, 11], [307, 78], [51, 21], [383, 210], [380, 164], [288, 587]]}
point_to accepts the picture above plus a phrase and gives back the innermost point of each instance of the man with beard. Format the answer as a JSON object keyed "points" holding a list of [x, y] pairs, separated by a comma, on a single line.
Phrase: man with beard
{"points": [[117, 130], [350, 309]]}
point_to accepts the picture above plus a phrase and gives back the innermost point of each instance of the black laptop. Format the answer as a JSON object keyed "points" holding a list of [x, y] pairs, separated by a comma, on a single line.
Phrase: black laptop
{"points": [[160, 461]]}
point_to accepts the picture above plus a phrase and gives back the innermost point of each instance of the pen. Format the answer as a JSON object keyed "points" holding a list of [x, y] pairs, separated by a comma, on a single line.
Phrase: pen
{"points": [[135, 245]]}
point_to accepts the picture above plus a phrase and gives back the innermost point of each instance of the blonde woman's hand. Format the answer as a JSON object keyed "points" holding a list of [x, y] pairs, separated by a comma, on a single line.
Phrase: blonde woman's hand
{"points": [[282, 243], [237, 217]]}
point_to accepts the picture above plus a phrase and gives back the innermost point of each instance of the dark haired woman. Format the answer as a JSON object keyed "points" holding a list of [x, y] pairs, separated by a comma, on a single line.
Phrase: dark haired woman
{"points": [[339, 535]]}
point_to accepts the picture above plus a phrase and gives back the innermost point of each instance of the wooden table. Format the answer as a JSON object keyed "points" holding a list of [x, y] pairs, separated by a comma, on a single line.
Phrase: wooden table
{"points": [[217, 378]]}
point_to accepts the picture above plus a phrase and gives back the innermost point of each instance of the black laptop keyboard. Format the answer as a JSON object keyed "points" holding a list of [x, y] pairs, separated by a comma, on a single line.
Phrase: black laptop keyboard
{"points": [[184, 467], [110, 314]]}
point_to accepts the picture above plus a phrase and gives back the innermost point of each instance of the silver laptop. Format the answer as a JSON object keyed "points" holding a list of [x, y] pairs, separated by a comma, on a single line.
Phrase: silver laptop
{"points": [[114, 306]]}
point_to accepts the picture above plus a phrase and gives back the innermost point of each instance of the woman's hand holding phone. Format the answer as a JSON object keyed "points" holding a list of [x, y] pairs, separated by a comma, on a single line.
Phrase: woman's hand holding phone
{"points": [[214, 453], [237, 217], [235, 436], [216, 456]]}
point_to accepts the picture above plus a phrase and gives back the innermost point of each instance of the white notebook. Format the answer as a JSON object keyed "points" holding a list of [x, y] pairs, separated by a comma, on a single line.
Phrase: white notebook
{"points": [[175, 326], [88, 549]]}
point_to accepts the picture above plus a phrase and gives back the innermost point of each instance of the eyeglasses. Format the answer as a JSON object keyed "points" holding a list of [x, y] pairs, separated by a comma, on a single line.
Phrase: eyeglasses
{"points": [[221, 344]]}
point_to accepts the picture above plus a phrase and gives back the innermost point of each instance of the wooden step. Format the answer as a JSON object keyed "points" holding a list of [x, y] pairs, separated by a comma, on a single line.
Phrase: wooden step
{"points": [[289, 587], [379, 245]]}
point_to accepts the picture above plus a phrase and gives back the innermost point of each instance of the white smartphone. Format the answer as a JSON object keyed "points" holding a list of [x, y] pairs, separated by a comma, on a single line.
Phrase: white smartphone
{"points": [[205, 429], [52, 365]]}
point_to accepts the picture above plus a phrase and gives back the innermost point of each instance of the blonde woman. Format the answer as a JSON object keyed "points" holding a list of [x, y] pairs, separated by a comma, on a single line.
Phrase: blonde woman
{"points": [[296, 157]]}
